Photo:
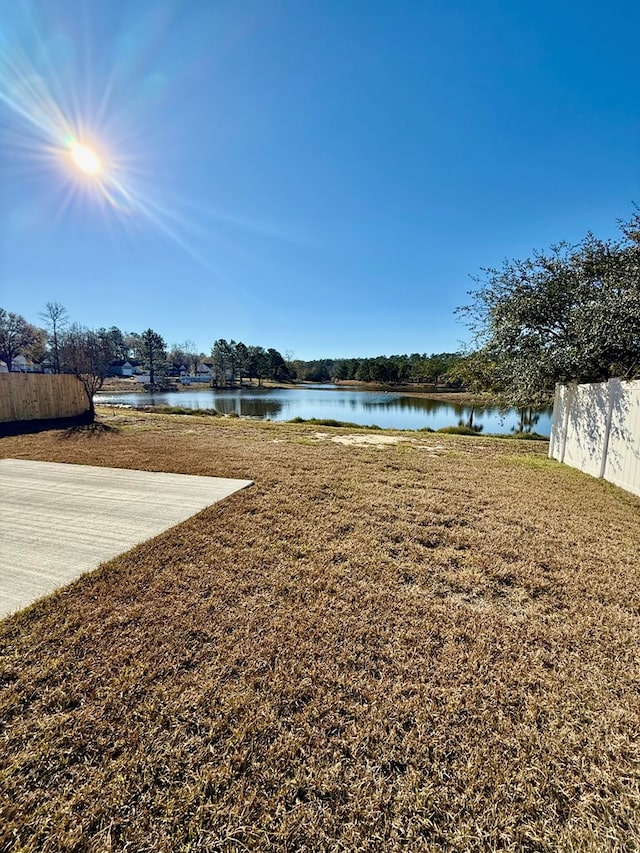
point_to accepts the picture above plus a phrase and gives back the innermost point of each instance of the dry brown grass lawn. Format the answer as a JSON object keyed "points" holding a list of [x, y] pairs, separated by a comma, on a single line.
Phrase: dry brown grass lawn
{"points": [[415, 648]]}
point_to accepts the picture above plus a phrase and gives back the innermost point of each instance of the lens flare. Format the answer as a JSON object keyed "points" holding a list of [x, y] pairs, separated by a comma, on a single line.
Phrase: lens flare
{"points": [[72, 117], [86, 159]]}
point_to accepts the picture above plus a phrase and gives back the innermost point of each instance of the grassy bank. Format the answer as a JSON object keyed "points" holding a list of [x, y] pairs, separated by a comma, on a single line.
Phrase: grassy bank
{"points": [[390, 642]]}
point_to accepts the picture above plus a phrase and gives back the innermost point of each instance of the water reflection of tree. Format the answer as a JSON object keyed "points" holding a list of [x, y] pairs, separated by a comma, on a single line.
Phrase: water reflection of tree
{"points": [[468, 422], [464, 413], [528, 417], [248, 407], [466, 416], [389, 402], [358, 406], [394, 402]]}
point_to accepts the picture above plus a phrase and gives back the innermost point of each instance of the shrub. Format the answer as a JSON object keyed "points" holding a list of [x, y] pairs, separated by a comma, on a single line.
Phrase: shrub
{"points": [[330, 422], [176, 410], [459, 430], [529, 436]]}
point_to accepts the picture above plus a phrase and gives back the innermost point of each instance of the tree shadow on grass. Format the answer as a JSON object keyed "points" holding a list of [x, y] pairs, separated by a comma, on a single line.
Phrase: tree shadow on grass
{"points": [[95, 429], [69, 426]]}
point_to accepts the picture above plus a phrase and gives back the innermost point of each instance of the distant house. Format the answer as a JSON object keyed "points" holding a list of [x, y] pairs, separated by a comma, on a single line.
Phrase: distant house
{"points": [[204, 369], [208, 371], [22, 364], [204, 372], [123, 367], [177, 369]]}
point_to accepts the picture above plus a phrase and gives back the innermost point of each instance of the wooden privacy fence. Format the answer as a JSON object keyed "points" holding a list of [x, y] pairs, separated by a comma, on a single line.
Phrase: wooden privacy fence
{"points": [[40, 396], [596, 428]]}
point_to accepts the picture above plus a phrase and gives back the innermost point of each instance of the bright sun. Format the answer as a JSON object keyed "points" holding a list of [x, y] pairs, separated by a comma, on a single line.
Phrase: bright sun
{"points": [[86, 159]]}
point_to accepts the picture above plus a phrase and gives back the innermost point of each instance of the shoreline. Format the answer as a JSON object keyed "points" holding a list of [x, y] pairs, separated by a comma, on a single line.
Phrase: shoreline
{"points": [[424, 391]]}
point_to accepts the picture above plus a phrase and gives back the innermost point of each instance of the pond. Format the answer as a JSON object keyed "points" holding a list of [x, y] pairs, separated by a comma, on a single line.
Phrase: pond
{"points": [[390, 410]]}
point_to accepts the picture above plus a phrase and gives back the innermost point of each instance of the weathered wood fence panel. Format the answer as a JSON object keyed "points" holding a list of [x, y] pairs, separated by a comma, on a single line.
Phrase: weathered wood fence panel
{"points": [[596, 428], [40, 396]]}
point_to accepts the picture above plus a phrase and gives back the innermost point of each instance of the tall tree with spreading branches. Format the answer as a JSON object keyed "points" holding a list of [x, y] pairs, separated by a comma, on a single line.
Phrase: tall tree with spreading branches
{"points": [[570, 314], [16, 335], [56, 320], [87, 353]]}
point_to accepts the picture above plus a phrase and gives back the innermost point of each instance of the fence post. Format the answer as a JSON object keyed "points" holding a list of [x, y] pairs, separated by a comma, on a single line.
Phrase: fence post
{"points": [[554, 429], [570, 389], [613, 393]]}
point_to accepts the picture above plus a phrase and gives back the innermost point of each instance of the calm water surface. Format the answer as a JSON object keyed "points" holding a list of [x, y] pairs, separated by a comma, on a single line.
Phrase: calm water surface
{"points": [[389, 410]]}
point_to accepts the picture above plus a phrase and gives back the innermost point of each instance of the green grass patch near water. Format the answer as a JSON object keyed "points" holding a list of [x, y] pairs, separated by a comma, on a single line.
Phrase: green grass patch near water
{"points": [[177, 410], [476, 433], [527, 436], [330, 422], [459, 430]]}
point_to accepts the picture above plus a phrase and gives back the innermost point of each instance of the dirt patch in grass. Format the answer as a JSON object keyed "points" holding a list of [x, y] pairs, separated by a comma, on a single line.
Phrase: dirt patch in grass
{"points": [[418, 649], [361, 439]]}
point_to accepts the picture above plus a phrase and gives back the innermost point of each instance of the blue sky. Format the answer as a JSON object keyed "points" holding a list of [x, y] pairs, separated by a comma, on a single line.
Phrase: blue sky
{"points": [[321, 177]]}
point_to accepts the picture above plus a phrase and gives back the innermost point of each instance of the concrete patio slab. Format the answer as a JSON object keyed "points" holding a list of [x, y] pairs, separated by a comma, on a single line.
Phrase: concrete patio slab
{"points": [[58, 521]]}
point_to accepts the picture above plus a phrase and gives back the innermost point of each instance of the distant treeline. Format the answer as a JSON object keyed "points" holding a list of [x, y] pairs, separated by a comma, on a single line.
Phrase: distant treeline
{"points": [[58, 346], [395, 369]]}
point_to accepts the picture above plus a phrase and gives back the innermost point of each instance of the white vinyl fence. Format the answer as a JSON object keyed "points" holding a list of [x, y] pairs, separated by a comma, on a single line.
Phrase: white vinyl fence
{"points": [[596, 428]]}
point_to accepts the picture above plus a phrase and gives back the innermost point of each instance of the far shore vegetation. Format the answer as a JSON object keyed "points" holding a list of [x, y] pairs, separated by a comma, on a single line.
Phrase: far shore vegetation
{"points": [[571, 314]]}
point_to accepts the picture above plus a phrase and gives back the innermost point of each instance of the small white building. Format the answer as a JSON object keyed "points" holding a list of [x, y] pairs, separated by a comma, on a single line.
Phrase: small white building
{"points": [[21, 364]]}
